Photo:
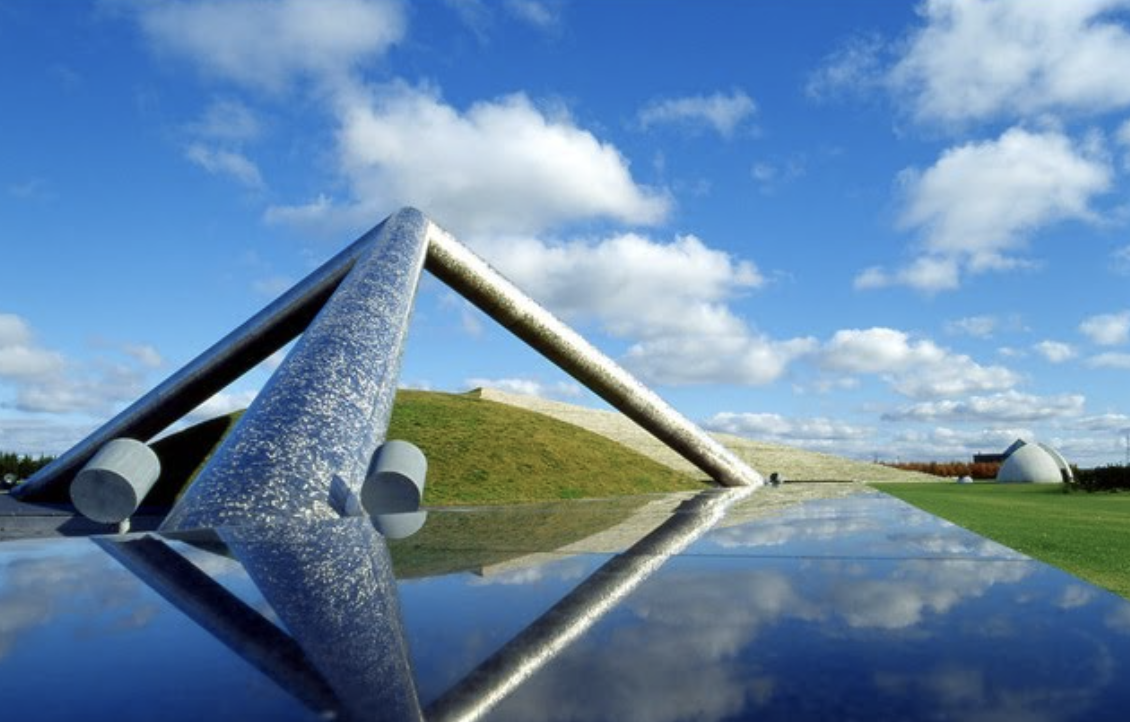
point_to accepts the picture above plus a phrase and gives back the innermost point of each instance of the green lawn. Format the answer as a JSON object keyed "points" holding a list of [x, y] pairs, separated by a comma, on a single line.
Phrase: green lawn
{"points": [[1087, 535], [479, 452]]}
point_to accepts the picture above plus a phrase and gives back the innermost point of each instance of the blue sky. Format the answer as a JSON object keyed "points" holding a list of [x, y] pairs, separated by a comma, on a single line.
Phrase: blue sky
{"points": [[872, 228]]}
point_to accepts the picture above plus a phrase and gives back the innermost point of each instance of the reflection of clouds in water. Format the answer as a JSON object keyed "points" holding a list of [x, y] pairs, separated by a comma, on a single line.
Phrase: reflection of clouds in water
{"points": [[565, 570], [804, 523], [919, 587], [673, 659], [37, 589], [1119, 619], [966, 694], [920, 533], [1075, 595], [679, 654]]}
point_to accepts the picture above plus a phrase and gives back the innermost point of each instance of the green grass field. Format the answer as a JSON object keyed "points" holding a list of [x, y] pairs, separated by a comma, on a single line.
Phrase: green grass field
{"points": [[1087, 535], [479, 452]]}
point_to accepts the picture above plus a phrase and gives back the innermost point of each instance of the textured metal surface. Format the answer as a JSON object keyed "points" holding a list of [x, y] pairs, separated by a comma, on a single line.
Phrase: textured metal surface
{"points": [[326, 409], [332, 585], [228, 359], [485, 287], [521, 657]]}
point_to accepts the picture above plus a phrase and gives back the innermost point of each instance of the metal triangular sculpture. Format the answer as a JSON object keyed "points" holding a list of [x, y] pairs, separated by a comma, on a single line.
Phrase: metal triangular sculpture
{"points": [[325, 410]]}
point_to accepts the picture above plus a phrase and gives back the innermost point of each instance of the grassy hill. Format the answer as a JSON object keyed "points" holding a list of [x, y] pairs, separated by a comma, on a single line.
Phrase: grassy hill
{"points": [[479, 452]]}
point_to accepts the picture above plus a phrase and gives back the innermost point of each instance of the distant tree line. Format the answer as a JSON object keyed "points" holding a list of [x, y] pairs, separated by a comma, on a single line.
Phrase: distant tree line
{"points": [[1103, 478], [950, 469], [22, 465]]}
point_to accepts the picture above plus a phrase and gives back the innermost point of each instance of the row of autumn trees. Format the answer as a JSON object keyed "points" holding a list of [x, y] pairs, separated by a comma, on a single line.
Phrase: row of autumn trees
{"points": [[21, 465], [952, 469]]}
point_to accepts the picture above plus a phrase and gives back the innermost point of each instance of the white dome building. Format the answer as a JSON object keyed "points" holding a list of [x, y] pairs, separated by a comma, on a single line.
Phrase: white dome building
{"points": [[1034, 463]]}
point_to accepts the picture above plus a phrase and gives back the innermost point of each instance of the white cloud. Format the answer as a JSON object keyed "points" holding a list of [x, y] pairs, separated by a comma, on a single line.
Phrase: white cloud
{"points": [[1008, 407], [980, 202], [671, 299], [855, 66], [1110, 360], [541, 14], [633, 285], [919, 369], [529, 387], [1121, 260], [1104, 422], [267, 45], [723, 114], [976, 326], [20, 357], [227, 121], [43, 380], [218, 161], [744, 357], [1107, 329], [774, 427], [502, 166], [985, 59], [145, 355], [1055, 351], [221, 404]]}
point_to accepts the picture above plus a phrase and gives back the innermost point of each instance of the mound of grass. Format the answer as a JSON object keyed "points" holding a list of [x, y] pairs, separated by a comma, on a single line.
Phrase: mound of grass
{"points": [[1087, 535], [479, 452]]}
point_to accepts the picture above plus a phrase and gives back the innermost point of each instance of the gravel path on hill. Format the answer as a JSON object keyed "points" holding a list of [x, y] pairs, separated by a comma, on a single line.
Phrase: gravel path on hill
{"points": [[794, 464]]}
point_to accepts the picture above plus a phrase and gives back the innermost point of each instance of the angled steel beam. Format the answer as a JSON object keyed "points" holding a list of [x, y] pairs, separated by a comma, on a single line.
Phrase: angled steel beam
{"points": [[482, 285], [325, 411], [225, 361]]}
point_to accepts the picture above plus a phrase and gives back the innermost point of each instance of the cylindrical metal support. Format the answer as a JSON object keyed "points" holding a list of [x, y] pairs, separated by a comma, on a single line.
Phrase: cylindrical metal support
{"points": [[111, 486], [395, 482], [399, 526], [326, 409], [227, 360], [482, 285]]}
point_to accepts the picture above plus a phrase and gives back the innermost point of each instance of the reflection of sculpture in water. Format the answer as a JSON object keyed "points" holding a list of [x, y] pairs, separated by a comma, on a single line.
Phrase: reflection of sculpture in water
{"points": [[332, 586]]}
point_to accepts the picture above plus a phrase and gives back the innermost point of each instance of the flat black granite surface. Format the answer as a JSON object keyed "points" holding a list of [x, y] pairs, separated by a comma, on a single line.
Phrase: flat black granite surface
{"points": [[651, 608]]}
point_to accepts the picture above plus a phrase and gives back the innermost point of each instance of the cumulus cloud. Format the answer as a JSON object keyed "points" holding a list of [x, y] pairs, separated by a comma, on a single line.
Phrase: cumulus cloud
{"points": [[919, 369], [855, 66], [1120, 259], [1007, 407], [1107, 329], [1055, 351], [1110, 360], [268, 45], [976, 326], [227, 120], [723, 114], [529, 387], [221, 404], [743, 357], [20, 357], [671, 299], [984, 59], [634, 285], [228, 163], [816, 431], [981, 201], [43, 380], [501, 166]]}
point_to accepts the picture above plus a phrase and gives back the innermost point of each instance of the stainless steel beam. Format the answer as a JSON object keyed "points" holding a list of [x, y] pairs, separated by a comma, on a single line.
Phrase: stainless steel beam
{"points": [[326, 409], [227, 360], [482, 285]]}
